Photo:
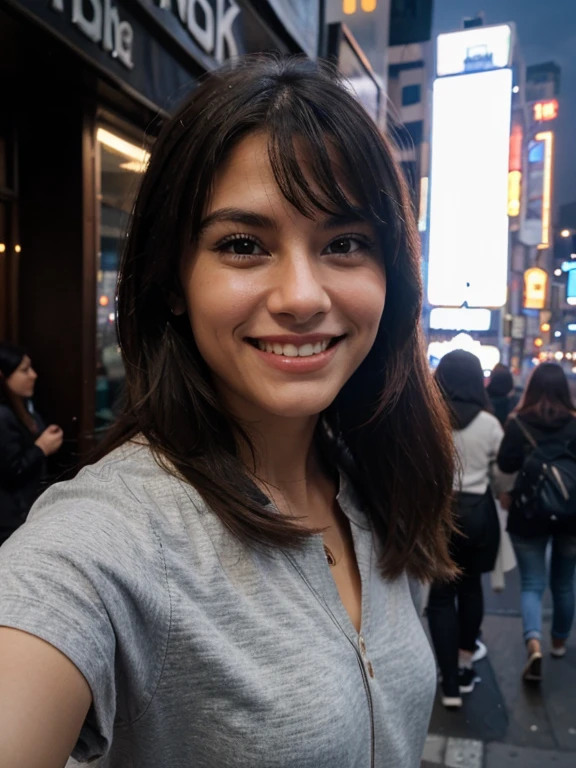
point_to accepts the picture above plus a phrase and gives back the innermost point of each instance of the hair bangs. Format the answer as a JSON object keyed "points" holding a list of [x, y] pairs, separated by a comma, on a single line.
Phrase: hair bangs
{"points": [[294, 138]]}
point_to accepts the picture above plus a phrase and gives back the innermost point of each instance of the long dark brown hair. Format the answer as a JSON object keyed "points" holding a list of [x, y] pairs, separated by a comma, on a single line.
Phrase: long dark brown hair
{"points": [[388, 420], [547, 394], [11, 355]]}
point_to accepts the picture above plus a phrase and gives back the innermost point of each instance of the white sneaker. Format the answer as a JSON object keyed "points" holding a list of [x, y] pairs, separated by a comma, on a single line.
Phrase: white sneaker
{"points": [[452, 702], [481, 651], [558, 652]]}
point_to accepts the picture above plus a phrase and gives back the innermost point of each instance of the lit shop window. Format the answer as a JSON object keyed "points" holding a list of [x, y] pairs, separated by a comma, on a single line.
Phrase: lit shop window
{"points": [[120, 165]]}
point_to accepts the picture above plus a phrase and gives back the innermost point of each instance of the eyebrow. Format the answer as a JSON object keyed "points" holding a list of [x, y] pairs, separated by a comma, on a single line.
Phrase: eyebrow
{"points": [[261, 221]]}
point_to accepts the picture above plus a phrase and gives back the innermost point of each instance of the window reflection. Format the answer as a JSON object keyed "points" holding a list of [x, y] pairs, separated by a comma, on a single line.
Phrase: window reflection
{"points": [[121, 163]]}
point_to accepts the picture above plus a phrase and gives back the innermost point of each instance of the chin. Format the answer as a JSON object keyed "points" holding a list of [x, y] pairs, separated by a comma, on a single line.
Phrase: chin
{"points": [[297, 409]]}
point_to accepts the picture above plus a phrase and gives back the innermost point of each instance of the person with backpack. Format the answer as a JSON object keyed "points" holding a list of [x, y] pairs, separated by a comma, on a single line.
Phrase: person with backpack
{"points": [[540, 444]]}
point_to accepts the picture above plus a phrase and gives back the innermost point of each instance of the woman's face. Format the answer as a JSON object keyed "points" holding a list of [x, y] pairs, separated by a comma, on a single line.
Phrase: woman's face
{"points": [[21, 381], [283, 308]]}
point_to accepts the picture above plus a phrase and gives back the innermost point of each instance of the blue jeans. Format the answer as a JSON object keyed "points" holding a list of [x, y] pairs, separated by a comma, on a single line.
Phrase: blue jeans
{"points": [[531, 556]]}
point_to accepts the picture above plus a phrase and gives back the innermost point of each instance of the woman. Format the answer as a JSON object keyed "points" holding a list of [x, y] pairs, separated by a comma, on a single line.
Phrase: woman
{"points": [[229, 585], [24, 443], [545, 418], [500, 390], [477, 435]]}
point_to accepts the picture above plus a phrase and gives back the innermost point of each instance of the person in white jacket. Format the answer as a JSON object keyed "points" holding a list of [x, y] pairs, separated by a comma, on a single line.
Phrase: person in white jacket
{"points": [[456, 609]]}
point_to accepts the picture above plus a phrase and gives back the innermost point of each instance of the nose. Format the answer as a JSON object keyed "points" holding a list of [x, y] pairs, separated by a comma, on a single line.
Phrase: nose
{"points": [[33, 374], [298, 290]]}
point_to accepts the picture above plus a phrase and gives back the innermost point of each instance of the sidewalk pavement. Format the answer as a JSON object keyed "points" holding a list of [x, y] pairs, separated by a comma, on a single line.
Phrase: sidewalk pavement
{"points": [[506, 722]]}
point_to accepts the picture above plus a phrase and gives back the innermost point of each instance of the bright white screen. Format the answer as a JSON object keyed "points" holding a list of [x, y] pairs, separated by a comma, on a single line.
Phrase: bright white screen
{"points": [[473, 49], [468, 250], [458, 319]]}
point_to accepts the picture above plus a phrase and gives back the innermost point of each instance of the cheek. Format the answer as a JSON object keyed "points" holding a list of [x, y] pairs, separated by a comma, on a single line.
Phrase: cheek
{"points": [[364, 301], [218, 303], [16, 384]]}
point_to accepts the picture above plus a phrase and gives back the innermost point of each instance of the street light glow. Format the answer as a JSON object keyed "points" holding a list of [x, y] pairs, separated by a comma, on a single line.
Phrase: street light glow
{"points": [[565, 233]]}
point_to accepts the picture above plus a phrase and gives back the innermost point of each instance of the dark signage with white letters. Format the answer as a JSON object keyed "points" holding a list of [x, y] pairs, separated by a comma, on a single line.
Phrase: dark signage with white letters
{"points": [[210, 24], [155, 48]]}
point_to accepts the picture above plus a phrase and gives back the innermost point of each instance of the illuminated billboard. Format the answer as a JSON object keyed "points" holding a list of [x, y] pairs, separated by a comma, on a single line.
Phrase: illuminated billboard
{"points": [[474, 50], [468, 245], [535, 288], [460, 319], [536, 218], [570, 267]]}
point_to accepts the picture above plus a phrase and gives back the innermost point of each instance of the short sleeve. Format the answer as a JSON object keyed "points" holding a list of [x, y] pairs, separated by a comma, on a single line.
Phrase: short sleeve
{"points": [[84, 573]]}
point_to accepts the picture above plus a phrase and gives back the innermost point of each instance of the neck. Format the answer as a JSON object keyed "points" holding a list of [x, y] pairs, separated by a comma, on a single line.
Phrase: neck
{"points": [[284, 450], [289, 471], [284, 462]]}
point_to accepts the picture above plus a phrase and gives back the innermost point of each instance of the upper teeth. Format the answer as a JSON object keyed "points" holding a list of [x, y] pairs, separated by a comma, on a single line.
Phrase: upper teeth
{"points": [[291, 350]]}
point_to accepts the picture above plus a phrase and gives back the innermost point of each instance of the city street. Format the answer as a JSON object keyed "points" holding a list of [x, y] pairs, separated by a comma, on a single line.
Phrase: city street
{"points": [[505, 722]]}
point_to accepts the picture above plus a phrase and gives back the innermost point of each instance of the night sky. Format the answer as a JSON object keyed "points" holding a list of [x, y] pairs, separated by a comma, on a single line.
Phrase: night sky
{"points": [[546, 32]]}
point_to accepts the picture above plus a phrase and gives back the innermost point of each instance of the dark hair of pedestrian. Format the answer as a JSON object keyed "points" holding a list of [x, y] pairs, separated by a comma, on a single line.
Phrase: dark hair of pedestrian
{"points": [[388, 420], [461, 378], [11, 355], [501, 382], [547, 394]]}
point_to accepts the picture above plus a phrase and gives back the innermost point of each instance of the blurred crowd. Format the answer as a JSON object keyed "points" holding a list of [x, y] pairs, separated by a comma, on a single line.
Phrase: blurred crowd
{"points": [[515, 503]]}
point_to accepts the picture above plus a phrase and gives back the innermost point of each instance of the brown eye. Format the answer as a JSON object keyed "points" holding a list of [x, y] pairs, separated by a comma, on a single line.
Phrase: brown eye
{"points": [[346, 245], [342, 245], [240, 246], [244, 247]]}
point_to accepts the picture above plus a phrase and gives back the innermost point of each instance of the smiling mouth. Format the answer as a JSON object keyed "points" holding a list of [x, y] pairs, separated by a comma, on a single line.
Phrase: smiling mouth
{"points": [[294, 350]]}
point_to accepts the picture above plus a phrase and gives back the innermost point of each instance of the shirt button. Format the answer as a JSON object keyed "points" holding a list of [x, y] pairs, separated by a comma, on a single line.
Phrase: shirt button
{"points": [[370, 669], [362, 645]]}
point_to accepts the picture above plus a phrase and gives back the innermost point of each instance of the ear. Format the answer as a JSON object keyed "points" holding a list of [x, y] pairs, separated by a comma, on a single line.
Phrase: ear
{"points": [[176, 303]]}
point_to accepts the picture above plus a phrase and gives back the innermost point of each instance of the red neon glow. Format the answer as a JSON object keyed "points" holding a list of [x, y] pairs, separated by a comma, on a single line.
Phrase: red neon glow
{"points": [[516, 148]]}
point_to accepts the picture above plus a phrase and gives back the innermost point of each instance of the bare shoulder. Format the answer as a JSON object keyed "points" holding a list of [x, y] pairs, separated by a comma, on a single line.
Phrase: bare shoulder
{"points": [[44, 700]]}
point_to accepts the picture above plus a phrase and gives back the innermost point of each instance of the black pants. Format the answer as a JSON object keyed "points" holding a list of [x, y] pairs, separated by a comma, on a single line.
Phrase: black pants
{"points": [[455, 612]]}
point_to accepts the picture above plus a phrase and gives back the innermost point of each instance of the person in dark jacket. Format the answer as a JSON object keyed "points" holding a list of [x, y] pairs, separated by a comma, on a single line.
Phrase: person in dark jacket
{"points": [[24, 442], [546, 413], [455, 609], [501, 392]]}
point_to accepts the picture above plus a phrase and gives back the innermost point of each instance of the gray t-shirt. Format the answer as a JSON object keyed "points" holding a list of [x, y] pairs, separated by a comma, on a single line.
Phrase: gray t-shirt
{"points": [[201, 653]]}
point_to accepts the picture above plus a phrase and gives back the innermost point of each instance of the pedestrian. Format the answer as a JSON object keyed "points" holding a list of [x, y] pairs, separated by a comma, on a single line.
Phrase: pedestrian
{"points": [[501, 392], [456, 608], [24, 441], [540, 444], [229, 585]]}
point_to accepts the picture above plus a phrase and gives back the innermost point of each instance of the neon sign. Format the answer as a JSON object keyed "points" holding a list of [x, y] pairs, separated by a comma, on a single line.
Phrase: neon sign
{"points": [[545, 110], [535, 287], [548, 138]]}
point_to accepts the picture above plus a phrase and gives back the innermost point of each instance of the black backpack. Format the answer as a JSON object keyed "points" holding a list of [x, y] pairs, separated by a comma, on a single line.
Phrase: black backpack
{"points": [[545, 488]]}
